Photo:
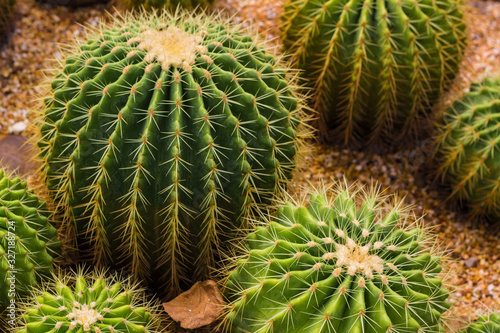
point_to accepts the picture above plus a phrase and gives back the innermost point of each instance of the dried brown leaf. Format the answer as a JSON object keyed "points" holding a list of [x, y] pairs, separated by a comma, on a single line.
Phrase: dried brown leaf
{"points": [[199, 306]]}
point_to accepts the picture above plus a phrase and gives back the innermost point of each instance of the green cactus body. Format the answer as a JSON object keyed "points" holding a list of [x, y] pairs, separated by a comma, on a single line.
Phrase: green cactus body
{"points": [[162, 134], [485, 324], [469, 148], [337, 267], [78, 304], [28, 243], [375, 66], [168, 4]]}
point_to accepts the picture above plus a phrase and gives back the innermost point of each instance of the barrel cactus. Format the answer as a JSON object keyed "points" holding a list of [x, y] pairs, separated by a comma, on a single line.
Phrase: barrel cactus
{"points": [[468, 148], [28, 242], [161, 135], [6, 11], [79, 302], [168, 4], [376, 67], [349, 262], [485, 324]]}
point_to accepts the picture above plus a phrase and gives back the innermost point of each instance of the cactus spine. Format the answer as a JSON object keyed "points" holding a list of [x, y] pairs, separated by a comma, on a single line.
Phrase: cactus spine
{"points": [[350, 262], [28, 243], [485, 324], [375, 66], [168, 4], [98, 303], [161, 135], [468, 148]]}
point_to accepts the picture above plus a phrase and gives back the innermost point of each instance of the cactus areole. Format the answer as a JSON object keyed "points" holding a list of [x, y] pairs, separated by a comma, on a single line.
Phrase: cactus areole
{"points": [[161, 135], [376, 67], [344, 264]]}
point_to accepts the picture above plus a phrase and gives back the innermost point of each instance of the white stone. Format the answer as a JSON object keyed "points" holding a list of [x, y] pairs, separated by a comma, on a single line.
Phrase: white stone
{"points": [[17, 128]]}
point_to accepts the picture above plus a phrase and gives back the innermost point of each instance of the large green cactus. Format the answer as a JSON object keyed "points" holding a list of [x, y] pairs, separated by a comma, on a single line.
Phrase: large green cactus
{"points": [[161, 135], [98, 303], [469, 148], [485, 324], [348, 263], [168, 4], [28, 243], [376, 66]]}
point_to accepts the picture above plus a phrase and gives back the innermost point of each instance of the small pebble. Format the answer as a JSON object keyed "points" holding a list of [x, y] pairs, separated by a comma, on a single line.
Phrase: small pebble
{"points": [[471, 262], [17, 128]]}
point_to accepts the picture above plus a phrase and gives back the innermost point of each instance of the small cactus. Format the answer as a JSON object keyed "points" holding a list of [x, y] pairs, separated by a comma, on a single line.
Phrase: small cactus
{"points": [[468, 148], [376, 67], [161, 135], [489, 323], [98, 303], [28, 242], [348, 263], [168, 4]]}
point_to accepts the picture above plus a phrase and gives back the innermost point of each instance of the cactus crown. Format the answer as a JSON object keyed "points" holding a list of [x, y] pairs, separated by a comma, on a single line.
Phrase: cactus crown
{"points": [[162, 133], [376, 67], [28, 242], [85, 301], [468, 148], [340, 265]]}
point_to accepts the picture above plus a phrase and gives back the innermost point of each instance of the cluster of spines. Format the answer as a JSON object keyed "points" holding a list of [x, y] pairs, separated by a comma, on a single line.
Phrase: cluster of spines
{"points": [[488, 323], [168, 4], [83, 301], [94, 60], [376, 67], [295, 279], [468, 146], [28, 241]]}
